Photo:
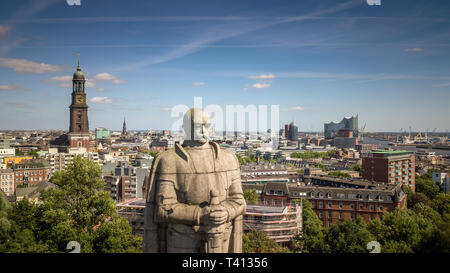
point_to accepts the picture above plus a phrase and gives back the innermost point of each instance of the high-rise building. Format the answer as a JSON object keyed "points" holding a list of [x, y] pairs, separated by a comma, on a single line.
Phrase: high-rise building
{"points": [[348, 123], [391, 167], [291, 131], [79, 123]]}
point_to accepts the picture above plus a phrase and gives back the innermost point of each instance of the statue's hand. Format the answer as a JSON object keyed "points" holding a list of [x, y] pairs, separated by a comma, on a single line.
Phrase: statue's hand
{"points": [[218, 216]]}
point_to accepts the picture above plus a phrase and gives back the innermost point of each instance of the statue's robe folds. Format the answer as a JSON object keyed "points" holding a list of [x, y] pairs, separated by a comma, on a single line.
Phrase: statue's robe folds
{"points": [[179, 185]]}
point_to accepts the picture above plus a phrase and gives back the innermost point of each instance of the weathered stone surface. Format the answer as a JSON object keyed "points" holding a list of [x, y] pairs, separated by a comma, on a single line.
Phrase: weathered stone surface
{"points": [[195, 201]]}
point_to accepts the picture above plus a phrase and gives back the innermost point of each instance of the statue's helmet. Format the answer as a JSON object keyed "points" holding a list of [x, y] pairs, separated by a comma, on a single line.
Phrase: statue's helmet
{"points": [[196, 125]]}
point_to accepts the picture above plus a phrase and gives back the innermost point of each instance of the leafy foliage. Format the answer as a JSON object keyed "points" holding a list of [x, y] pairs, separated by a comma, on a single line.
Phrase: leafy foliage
{"points": [[251, 196], [258, 242], [79, 209]]}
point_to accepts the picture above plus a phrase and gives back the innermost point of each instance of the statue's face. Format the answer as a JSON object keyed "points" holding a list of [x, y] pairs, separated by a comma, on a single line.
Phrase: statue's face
{"points": [[196, 124]]}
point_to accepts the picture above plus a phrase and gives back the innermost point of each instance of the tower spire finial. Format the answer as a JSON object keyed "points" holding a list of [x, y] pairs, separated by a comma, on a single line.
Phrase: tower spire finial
{"points": [[79, 67]]}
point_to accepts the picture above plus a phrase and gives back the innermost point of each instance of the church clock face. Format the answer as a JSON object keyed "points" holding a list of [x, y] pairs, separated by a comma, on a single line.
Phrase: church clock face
{"points": [[79, 99]]}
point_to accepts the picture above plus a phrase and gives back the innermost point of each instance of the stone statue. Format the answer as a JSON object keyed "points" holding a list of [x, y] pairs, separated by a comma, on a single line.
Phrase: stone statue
{"points": [[194, 195]]}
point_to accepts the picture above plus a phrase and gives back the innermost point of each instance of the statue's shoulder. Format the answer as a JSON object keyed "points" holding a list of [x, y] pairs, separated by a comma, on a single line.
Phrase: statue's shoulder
{"points": [[226, 157], [168, 161]]}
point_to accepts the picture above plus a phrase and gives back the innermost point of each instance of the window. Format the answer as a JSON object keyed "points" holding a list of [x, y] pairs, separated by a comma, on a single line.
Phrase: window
{"points": [[321, 204], [352, 206], [320, 215], [372, 217], [311, 194], [320, 194], [352, 215], [361, 206], [340, 215], [329, 195], [313, 204], [381, 207], [340, 205], [372, 207], [330, 204]]}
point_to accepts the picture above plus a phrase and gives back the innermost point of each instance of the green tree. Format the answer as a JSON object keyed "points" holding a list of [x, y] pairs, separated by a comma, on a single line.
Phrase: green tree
{"points": [[258, 242], [415, 198], [5, 225], [312, 238], [78, 209], [19, 153], [442, 204], [357, 168], [348, 237], [33, 153], [251, 195], [339, 174], [425, 185], [398, 231]]}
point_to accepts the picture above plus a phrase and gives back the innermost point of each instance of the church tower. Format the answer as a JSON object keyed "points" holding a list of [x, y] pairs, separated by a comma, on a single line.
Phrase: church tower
{"points": [[124, 128], [79, 124]]}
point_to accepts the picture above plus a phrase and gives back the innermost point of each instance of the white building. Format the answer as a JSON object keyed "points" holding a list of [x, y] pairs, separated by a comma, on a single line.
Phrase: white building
{"points": [[7, 181], [7, 152], [59, 161], [442, 179]]}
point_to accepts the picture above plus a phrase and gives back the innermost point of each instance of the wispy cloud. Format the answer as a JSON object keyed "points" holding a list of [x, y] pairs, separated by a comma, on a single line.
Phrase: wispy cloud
{"points": [[415, 49], [294, 109], [263, 77], [101, 100], [26, 66], [19, 105], [4, 30], [260, 85], [66, 81], [13, 86], [108, 77], [198, 83], [228, 30], [101, 89]]}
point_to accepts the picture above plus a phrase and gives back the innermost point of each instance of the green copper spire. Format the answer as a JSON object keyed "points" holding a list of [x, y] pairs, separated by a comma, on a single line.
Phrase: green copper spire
{"points": [[78, 75], [79, 67]]}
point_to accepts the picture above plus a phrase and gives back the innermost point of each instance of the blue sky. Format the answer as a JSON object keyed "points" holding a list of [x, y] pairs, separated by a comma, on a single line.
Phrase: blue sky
{"points": [[319, 60]]}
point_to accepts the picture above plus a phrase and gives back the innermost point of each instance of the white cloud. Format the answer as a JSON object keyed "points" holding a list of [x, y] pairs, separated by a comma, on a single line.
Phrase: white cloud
{"points": [[3, 30], [18, 105], [108, 77], [102, 100], [294, 108], [13, 86], [66, 81], [101, 90], [260, 85], [416, 49], [263, 77], [25, 66], [198, 83]]}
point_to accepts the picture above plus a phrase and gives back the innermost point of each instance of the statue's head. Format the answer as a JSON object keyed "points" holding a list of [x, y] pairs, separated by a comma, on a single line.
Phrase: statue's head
{"points": [[196, 125]]}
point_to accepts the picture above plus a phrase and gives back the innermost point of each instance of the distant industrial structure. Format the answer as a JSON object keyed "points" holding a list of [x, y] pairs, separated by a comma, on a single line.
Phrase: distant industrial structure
{"points": [[348, 123]]}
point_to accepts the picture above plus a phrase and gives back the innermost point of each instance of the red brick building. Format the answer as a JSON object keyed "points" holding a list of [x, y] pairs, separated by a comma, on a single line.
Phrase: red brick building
{"points": [[391, 167], [335, 200], [31, 173]]}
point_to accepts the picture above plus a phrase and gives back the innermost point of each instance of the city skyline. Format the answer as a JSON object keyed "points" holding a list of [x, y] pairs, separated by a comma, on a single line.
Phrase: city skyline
{"points": [[318, 61]]}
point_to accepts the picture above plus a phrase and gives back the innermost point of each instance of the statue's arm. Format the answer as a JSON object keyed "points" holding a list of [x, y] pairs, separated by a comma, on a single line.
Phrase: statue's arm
{"points": [[235, 204], [172, 211]]}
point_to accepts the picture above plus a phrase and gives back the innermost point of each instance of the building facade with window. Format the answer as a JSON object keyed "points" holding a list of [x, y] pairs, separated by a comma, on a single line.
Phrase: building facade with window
{"points": [[391, 167], [279, 223], [7, 181]]}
